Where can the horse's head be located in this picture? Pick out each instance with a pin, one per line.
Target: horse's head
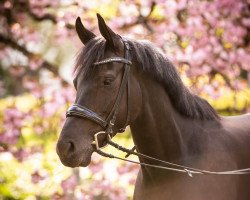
(108, 95)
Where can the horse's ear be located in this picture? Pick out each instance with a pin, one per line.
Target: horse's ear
(113, 40)
(84, 34)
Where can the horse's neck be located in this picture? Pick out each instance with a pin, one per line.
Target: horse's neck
(159, 130)
(155, 130)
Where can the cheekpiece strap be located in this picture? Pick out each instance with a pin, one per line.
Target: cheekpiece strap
(114, 59)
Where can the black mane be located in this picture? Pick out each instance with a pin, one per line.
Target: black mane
(152, 61)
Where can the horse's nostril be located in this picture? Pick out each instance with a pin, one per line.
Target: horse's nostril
(65, 147)
(71, 147)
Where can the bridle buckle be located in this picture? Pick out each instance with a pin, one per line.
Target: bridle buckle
(96, 141)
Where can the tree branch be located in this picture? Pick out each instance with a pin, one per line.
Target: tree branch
(46, 16)
(13, 44)
(143, 20)
(45, 64)
(24, 6)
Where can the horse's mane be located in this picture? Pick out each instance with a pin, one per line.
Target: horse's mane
(152, 61)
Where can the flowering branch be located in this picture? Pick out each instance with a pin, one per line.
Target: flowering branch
(45, 64)
(46, 16)
(10, 42)
(142, 19)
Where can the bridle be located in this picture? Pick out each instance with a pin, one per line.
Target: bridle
(107, 124)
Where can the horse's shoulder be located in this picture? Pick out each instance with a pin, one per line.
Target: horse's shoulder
(237, 124)
(236, 119)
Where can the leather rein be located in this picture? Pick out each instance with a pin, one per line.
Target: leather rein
(107, 124)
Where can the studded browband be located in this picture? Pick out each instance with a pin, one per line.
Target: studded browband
(113, 59)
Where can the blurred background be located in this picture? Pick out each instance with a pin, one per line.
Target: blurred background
(207, 40)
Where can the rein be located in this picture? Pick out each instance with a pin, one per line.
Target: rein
(170, 166)
(108, 124)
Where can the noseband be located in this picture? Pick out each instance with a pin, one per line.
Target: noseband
(107, 124)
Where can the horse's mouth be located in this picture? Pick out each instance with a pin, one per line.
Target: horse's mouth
(77, 160)
(85, 162)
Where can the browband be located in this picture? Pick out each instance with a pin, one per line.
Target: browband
(114, 59)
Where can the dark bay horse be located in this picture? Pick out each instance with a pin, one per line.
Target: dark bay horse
(123, 82)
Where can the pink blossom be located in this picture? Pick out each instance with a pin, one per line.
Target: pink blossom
(96, 164)
(21, 154)
(38, 129)
(31, 36)
(47, 110)
(246, 22)
(43, 3)
(117, 194)
(36, 177)
(69, 184)
(3, 53)
(127, 168)
(29, 83)
(243, 58)
(17, 71)
(35, 64)
(229, 6)
(12, 123)
(9, 137)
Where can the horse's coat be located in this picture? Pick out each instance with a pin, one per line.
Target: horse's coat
(167, 122)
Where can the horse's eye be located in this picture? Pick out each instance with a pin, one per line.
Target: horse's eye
(108, 81)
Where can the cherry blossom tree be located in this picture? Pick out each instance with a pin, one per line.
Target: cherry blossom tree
(207, 40)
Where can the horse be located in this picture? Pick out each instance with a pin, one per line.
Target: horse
(120, 82)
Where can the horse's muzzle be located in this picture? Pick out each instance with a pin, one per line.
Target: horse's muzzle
(71, 157)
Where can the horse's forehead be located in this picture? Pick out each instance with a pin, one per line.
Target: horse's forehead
(108, 53)
(95, 72)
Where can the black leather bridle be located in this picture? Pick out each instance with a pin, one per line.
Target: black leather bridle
(107, 124)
